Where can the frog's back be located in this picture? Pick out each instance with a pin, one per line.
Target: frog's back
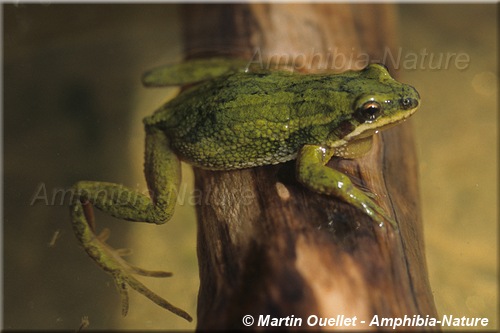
(248, 119)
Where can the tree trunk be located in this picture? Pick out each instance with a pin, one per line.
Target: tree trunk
(269, 246)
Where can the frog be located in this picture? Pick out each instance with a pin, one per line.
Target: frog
(233, 115)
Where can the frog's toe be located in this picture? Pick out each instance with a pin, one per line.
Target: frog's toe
(393, 223)
(123, 275)
(142, 289)
(122, 289)
(123, 252)
(104, 235)
(378, 215)
(383, 219)
(144, 272)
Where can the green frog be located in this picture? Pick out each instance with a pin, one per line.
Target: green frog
(234, 116)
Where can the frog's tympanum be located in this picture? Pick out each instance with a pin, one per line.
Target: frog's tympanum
(235, 117)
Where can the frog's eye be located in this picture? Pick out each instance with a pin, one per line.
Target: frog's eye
(369, 111)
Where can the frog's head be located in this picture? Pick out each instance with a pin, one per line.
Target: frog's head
(379, 102)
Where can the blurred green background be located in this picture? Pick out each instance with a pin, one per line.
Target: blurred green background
(73, 105)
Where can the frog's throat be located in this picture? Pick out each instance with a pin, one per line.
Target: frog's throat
(370, 128)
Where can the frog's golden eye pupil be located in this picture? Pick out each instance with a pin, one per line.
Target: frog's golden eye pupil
(370, 110)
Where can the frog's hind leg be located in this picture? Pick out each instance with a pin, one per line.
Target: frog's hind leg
(192, 71)
(162, 169)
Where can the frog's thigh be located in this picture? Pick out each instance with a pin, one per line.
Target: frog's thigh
(162, 170)
(314, 174)
(192, 71)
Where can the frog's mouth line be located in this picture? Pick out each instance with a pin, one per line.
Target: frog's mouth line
(368, 129)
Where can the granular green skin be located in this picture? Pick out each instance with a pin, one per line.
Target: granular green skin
(242, 120)
(235, 117)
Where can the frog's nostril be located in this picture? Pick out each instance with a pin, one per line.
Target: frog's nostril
(409, 103)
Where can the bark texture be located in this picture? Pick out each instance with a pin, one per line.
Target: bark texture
(267, 245)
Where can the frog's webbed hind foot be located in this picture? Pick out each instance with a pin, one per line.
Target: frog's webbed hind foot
(122, 271)
(123, 279)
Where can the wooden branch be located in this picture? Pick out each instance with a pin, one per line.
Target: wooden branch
(267, 245)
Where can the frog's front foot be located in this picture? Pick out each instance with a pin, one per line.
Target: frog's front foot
(364, 201)
(313, 173)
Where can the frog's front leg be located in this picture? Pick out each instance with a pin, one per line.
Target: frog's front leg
(313, 173)
(162, 169)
